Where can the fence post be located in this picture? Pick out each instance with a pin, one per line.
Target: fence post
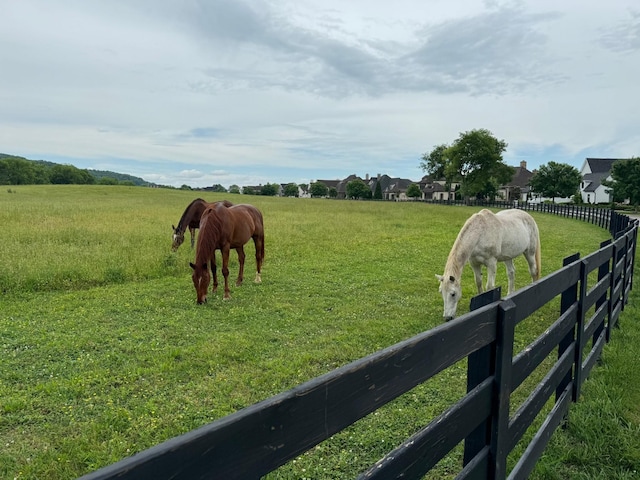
(502, 394)
(479, 367)
(567, 299)
(577, 375)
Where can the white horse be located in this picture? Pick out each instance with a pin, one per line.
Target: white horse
(486, 239)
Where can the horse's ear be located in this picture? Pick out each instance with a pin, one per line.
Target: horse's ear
(174, 228)
(439, 277)
(452, 279)
(192, 265)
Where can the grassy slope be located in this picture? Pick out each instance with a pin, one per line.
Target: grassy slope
(105, 353)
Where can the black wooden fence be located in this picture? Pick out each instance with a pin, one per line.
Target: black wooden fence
(258, 439)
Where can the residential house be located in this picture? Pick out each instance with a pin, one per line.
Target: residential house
(593, 172)
(518, 188)
(394, 189)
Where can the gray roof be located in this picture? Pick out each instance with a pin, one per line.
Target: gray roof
(601, 165)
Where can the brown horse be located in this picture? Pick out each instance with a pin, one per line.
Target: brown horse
(223, 228)
(191, 219)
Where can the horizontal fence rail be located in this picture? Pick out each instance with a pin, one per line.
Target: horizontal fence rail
(258, 439)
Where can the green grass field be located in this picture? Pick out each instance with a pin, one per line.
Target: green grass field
(105, 353)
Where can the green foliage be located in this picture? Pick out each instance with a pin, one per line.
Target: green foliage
(333, 192)
(435, 162)
(270, 189)
(217, 188)
(626, 180)
(318, 189)
(358, 189)
(291, 190)
(414, 191)
(108, 181)
(105, 352)
(234, 189)
(20, 171)
(556, 180)
(474, 159)
(377, 194)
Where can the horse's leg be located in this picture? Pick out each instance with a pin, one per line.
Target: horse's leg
(492, 264)
(511, 275)
(214, 273)
(477, 273)
(533, 268)
(259, 244)
(241, 257)
(225, 272)
(192, 231)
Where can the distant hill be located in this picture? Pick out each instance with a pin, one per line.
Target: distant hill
(97, 174)
(121, 177)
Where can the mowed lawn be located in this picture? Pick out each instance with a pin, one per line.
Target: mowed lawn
(105, 353)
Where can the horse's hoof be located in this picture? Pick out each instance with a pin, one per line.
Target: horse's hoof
(226, 297)
(258, 278)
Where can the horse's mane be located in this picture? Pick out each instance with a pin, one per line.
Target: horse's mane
(187, 212)
(460, 252)
(212, 225)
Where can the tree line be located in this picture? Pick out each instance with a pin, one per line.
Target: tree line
(20, 171)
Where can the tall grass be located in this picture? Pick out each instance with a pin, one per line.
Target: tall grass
(105, 353)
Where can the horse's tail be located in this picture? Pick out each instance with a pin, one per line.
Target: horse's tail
(538, 255)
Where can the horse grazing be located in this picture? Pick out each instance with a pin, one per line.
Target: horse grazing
(223, 228)
(486, 239)
(191, 219)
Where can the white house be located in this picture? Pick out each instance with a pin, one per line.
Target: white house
(593, 172)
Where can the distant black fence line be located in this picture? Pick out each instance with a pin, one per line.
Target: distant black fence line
(258, 439)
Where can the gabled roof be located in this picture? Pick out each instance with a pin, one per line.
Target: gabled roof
(600, 169)
(600, 165)
(521, 177)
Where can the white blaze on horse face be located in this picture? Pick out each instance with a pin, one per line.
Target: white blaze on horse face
(451, 293)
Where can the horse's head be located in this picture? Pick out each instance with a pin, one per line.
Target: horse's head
(201, 279)
(177, 238)
(451, 292)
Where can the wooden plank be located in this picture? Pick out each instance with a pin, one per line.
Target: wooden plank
(595, 322)
(538, 397)
(536, 294)
(528, 460)
(422, 451)
(477, 468)
(594, 355)
(596, 293)
(528, 359)
(260, 438)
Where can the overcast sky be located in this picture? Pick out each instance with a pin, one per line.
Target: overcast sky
(201, 92)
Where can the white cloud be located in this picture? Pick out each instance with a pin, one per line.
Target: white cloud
(232, 91)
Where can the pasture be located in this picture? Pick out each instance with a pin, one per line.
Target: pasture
(105, 352)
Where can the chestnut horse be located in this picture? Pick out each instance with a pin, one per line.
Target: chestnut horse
(486, 239)
(223, 228)
(191, 219)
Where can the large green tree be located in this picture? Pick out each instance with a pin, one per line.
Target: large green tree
(358, 189)
(291, 190)
(556, 180)
(318, 189)
(626, 180)
(435, 162)
(474, 160)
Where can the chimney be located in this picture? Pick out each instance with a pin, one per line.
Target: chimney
(523, 164)
(367, 177)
